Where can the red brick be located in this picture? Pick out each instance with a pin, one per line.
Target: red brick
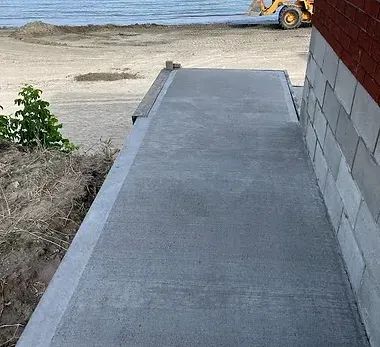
(357, 3)
(371, 86)
(344, 24)
(315, 19)
(345, 40)
(376, 34)
(355, 51)
(335, 18)
(317, 11)
(368, 63)
(329, 24)
(360, 74)
(335, 30)
(348, 61)
(377, 74)
(372, 7)
(375, 51)
(342, 20)
(373, 26)
(361, 19)
(364, 41)
(338, 48)
(335, 44)
(349, 11)
(322, 7)
(322, 29)
(353, 31)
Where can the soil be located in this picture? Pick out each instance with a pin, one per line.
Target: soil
(104, 76)
(44, 197)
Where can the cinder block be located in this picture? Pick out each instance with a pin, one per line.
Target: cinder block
(320, 167)
(348, 191)
(366, 116)
(347, 137)
(331, 107)
(310, 71)
(311, 105)
(318, 47)
(306, 89)
(366, 173)
(351, 253)
(333, 201)
(312, 39)
(345, 86)
(320, 124)
(369, 304)
(332, 152)
(330, 65)
(311, 140)
(303, 116)
(367, 233)
(319, 85)
(377, 150)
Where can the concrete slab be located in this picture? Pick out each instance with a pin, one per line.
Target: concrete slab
(217, 235)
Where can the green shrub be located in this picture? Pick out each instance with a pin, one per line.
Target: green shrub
(34, 125)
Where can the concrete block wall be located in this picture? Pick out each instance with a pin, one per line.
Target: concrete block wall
(340, 119)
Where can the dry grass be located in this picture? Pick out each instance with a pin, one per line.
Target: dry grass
(44, 196)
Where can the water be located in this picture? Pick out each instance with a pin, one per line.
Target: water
(81, 12)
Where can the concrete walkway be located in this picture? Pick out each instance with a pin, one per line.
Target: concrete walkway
(209, 231)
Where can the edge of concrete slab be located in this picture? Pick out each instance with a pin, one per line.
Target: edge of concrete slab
(151, 96)
(289, 98)
(46, 318)
(296, 102)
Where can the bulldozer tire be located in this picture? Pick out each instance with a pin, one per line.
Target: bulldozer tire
(290, 17)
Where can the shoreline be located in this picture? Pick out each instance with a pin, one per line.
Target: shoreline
(90, 27)
(201, 21)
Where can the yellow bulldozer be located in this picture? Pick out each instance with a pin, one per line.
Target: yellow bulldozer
(291, 13)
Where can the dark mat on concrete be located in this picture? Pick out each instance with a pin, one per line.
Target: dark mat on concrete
(218, 235)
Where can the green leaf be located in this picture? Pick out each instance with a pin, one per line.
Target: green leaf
(34, 124)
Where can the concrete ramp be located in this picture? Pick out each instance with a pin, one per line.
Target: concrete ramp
(209, 231)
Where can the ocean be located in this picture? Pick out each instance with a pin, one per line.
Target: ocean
(83, 12)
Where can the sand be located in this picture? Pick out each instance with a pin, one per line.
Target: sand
(50, 58)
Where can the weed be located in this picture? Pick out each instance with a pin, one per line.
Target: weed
(34, 125)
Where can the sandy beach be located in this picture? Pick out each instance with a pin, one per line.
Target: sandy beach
(50, 58)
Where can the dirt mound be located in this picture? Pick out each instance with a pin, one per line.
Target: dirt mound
(36, 29)
(44, 196)
(106, 76)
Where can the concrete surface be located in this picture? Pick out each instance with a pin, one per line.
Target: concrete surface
(215, 233)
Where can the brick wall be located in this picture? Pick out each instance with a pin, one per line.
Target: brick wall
(340, 118)
(352, 28)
